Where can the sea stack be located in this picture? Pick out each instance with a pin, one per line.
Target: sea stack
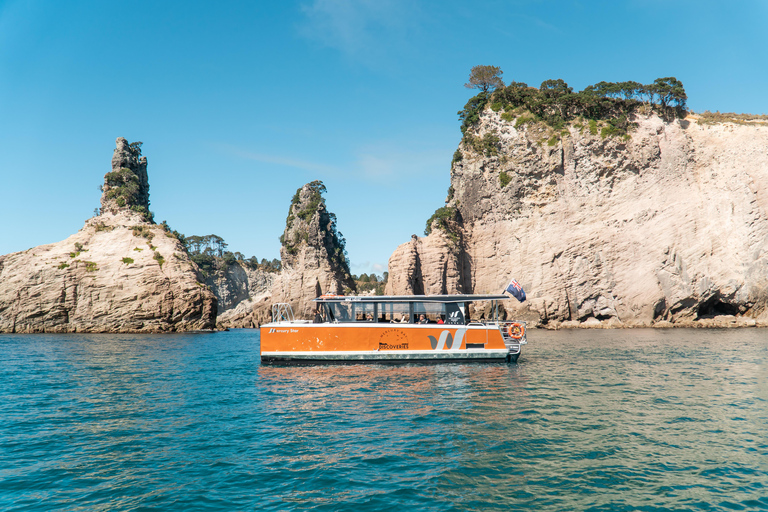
(312, 253)
(120, 273)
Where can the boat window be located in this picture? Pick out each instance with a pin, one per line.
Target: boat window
(394, 312)
(352, 311)
(341, 311)
(432, 311)
(364, 311)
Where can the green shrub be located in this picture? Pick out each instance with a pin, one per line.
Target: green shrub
(159, 258)
(553, 140)
(609, 130)
(504, 178)
(143, 232)
(471, 112)
(103, 227)
(593, 127)
(63, 266)
(127, 260)
(508, 116)
(139, 249)
(496, 106)
(122, 186)
(523, 120)
(90, 266)
(458, 156)
(487, 145)
(445, 217)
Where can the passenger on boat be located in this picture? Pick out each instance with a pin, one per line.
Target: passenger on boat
(423, 319)
(404, 319)
(440, 320)
(318, 317)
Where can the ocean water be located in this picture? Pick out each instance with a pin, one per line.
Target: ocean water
(598, 420)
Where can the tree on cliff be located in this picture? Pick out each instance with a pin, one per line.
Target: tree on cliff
(485, 78)
(670, 92)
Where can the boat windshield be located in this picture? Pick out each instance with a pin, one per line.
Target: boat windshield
(396, 312)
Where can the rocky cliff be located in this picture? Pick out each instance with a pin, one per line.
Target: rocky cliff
(238, 289)
(665, 226)
(119, 273)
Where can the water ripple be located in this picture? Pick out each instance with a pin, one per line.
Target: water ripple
(588, 420)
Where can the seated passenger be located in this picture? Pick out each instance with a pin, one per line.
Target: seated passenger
(423, 319)
(440, 320)
(318, 317)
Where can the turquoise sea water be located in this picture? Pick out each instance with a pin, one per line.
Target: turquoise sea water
(588, 420)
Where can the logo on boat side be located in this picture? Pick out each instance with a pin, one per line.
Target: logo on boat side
(446, 340)
(393, 339)
(271, 330)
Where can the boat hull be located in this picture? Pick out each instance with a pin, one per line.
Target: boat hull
(300, 343)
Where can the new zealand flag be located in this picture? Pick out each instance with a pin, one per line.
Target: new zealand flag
(516, 290)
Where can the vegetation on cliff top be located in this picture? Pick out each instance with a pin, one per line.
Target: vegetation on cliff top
(556, 104)
(210, 254)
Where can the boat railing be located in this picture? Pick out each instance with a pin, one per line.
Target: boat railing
(282, 312)
(514, 333)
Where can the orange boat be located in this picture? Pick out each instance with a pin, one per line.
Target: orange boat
(391, 329)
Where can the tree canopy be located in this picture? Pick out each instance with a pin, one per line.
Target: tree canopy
(555, 102)
(485, 78)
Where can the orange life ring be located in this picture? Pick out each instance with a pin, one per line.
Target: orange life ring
(516, 330)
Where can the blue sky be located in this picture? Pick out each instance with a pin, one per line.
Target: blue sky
(239, 103)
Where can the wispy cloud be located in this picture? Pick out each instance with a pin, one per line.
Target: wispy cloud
(279, 160)
(387, 161)
(382, 163)
(361, 29)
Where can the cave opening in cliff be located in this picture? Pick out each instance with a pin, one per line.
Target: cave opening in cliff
(716, 307)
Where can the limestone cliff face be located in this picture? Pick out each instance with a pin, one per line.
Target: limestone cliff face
(312, 254)
(235, 283)
(238, 289)
(427, 266)
(669, 225)
(119, 273)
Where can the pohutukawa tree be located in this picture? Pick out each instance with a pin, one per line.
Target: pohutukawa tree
(485, 78)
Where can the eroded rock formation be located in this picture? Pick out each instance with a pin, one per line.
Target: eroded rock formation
(312, 253)
(668, 226)
(313, 263)
(119, 273)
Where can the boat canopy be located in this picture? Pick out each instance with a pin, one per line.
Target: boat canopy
(410, 298)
